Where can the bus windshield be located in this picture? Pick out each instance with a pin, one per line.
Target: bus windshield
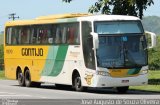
(123, 50)
(118, 27)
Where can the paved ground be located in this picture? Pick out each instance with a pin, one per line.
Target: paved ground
(9, 89)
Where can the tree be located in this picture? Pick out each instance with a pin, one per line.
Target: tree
(68, 1)
(1, 57)
(154, 57)
(120, 7)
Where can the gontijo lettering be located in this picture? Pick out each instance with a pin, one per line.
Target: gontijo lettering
(32, 52)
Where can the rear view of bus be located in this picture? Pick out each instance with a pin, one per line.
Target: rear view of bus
(120, 52)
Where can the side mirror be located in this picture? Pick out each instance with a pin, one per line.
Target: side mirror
(95, 40)
(153, 38)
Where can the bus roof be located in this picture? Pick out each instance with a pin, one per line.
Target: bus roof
(45, 19)
(70, 17)
(108, 18)
(61, 16)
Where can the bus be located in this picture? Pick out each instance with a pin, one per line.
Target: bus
(80, 50)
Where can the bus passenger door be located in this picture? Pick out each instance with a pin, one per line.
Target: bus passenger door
(87, 43)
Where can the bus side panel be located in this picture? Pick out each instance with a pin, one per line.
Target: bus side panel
(54, 70)
(10, 69)
(70, 60)
(25, 57)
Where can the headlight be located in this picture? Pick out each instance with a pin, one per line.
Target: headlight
(103, 73)
(143, 72)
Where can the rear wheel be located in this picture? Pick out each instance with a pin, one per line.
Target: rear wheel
(122, 90)
(21, 79)
(28, 82)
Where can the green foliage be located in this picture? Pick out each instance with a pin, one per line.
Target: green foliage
(2, 75)
(120, 7)
(1, 51)
(1, 57)
(67, 1)
(1, 39)
(153, 83)
(154, 57)
(101, 5)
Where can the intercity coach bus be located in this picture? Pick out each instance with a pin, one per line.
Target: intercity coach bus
(80, 50)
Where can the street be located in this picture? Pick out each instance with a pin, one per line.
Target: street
(11, 89)
(12, 94)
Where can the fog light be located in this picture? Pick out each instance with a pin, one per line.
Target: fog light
(143, 72)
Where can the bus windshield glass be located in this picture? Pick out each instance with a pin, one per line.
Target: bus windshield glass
(118, 27)
(123, 50)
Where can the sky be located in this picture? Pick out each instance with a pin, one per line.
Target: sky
(30, 9)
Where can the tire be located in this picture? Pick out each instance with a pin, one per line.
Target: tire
(78, 84)
(122, 90)
(28, 82)
(20, 79)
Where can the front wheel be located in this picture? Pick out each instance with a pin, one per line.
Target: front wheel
(78, 84)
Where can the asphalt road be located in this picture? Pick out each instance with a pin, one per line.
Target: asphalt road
(9, 89)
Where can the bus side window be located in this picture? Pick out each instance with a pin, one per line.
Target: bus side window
(53, 33)
(71, 35)
(77, 36)
(44, 36)
(64, 35)
(19, 35)
(28, 35)
(13, 37)
(49, 35)
(38, 35)
(25, 35)
(32, 40)
(58, 35)
(8, 37)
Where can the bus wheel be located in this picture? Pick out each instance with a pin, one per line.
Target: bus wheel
(77, 83)
(122, 90)
(21, 79)
(28, 82)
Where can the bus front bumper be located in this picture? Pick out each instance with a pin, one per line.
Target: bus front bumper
(106, 81)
